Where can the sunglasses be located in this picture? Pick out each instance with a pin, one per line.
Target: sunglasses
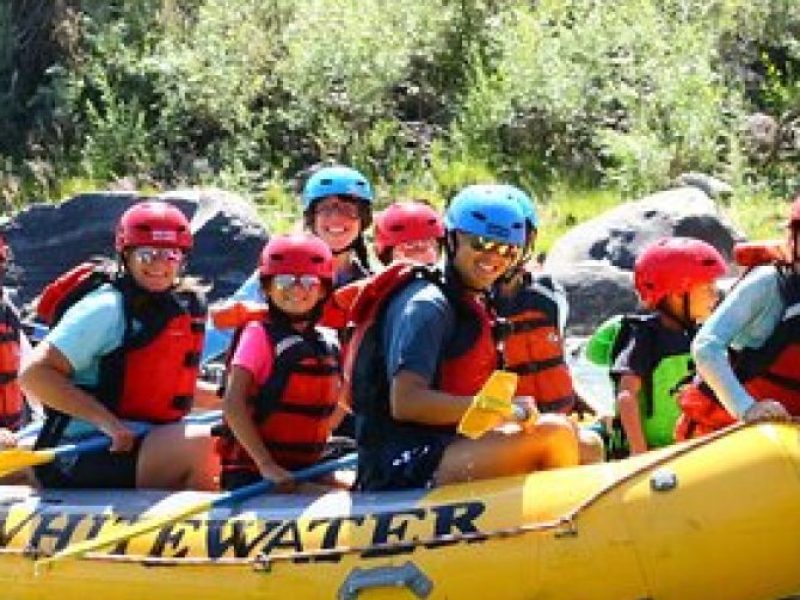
(345, 209)
(482, 244)
(148, 255)
(285, 281)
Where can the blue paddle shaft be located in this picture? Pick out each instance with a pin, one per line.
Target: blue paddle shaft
(261, 487)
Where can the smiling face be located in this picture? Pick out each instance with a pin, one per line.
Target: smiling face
(480, 268)
(295, 295)
(154, 269)
(337, 221)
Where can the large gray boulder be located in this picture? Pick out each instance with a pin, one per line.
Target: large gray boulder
(596, 291)
(594, 260)
(618, 235)
(48, 239)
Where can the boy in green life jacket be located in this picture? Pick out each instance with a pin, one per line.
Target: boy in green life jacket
(649, 354)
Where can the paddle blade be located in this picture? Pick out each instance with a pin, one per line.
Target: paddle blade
(491, 403)
(14, 459)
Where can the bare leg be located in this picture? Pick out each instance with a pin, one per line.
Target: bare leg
(178, 456)
(550, 443)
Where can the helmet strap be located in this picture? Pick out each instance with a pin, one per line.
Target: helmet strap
(683, 320)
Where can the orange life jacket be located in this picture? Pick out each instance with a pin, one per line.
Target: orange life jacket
(293, 408)
(533, 347)
(11, 399)
(468, 360)
(770, 372)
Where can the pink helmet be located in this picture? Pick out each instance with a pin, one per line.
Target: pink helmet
(297, 254)
(153, 223)
(673, 266)
(406, 222)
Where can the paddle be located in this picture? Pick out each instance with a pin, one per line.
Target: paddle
(15, 459)
(491, 401)
(226, 498)
(32, 429)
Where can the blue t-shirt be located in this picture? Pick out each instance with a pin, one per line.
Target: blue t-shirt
(417, 324)
(89, 330)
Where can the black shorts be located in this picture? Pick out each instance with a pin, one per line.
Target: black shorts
(94, 470)
(408, 461)
(233, 480)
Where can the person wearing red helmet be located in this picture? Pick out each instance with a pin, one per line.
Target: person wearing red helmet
(411, 231)
(675, 279)
(284, 377)
(129, 350)
(748, 352)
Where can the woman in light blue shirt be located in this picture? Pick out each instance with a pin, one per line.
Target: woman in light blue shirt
(751, 318)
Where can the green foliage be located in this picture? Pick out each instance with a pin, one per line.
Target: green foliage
(423, 96)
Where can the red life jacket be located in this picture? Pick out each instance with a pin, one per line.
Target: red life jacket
(469, 358)
(152, 375)
(11, 399)
(293, 408)
(770, 372)
(533, 347)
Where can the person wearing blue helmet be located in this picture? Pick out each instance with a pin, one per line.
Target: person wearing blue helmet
(337, 207)
(432, 351)
(534, 307)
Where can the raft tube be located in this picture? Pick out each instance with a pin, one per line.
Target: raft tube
(717, 517)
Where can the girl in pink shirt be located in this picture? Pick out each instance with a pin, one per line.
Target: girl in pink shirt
(284, 377)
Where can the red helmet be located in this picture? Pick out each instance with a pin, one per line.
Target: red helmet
(406, 222)
(673, 266)
(794, 215)
(5, 249)
(297, 254)
(153, 224)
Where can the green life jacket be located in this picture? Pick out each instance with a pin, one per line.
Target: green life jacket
(658, 404)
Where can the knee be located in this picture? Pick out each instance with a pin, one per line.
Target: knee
(591, 447)
(560, 440)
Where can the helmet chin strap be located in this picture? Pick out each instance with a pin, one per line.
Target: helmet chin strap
(684, 320)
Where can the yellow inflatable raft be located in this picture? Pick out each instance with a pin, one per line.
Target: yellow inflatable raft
(711, 519)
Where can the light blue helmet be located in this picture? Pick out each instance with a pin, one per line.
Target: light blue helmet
(528, 205)
(490, 211)
(336, 181)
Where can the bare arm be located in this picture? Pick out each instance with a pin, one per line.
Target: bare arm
(629, 414)
(412, 399)
(244, 428)
(205, 396)
(46, 378)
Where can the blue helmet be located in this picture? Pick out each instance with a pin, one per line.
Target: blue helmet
(528, 205)
(489, 211)
(336, 181)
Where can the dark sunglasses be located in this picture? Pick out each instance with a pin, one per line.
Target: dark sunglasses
(482, 244)
(285, 281)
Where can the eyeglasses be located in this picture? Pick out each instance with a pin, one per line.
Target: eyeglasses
(148, 255)
(285, 281)
(345, 209)
(419, 245)
(482, 244)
